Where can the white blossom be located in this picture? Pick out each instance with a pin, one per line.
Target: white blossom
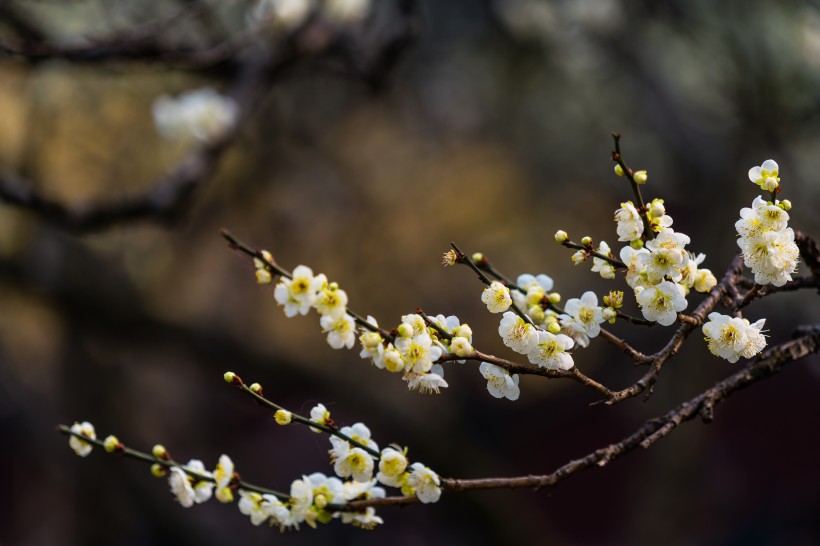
(81, 447)
(425, 483)
(550, 352)
(392, 465)
(319, 415)
(662, 302)
(341, 331)
(601, 266)
(733, 337)
(500, 383)
(497, 297)
(419, 352)
(584, 314)
(298, 294)
(517, 334)
(429, 382)
(766, 175)
(630, 224)
(355, 462)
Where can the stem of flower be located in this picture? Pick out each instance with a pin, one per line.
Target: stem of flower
(616, 157)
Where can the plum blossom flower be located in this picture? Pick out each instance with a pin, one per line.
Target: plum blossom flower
(630, 224)
(427, 383)
(500, 383)
(355, 462)
(497, 297)
(583, 316)
(298, 294)
(81, 447)
(517, 334)
(766, 175)
(425, 483)
(186, 488)
(733, 337)
(550, 352)
(341, 330)
(662, 302)
(392, 465)
(419, 352)
(320, 415)
(601, 266)
(223, 474)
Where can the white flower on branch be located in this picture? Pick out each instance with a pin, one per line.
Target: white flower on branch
(319, 415)
(355, 462)
(425, 483)
(500, 383)
(630, 224)
(392, 465)
(582, 317)
(81, 447)
(186, 488)
(341, 331)
(661, 303)
(733, 337)
(497, 297)
(223, 474)
(551, 352)
(427, 383)
(298, 293)
(517, 334)
(766, 175)
(767, 244)
(601, 266)
(418, 353)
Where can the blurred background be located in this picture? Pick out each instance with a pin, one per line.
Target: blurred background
(490, 128)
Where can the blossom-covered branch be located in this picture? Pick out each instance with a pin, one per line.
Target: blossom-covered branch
(766, 365)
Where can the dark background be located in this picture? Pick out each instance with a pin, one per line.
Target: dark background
(493, 130)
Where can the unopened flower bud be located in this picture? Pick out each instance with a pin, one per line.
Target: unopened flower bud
(112, 444)
(619, 170)
(256, 388)
(320, 501)
(392, 360)
(405, 330)
(157, 470)
(263, 276)
(554, 328)
(229, 377)
(609, 314)
(159, 451)
(785, 205)
(477, 257)
(536, 313)
(267, 256)
(561, 236)
(640, 177)
(555, 298)
(586, 241)
(283, 417)
(656, 208)
(637, 244)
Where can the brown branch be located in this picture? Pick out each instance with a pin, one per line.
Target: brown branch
(766, 365)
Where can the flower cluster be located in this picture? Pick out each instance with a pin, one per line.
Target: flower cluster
(733, 337)
(202, 115)
(767, 242)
